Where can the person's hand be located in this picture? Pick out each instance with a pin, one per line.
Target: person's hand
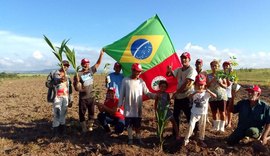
(173, 96)
(77, 77)
(102, 51)
(169, 70)
(264, 140)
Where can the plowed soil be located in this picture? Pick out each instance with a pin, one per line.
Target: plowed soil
(26, 117)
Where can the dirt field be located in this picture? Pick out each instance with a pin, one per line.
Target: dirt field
(25, 128)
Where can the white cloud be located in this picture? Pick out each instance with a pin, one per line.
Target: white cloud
(244, 58)
(190, 46)
(37, 55)
(23, 53)
(33, 53)
(212, 48)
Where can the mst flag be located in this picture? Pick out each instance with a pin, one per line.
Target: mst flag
(149, 45)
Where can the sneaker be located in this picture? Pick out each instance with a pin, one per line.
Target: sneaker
(130, 141)
(186, 142)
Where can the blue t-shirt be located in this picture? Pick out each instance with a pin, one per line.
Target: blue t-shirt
(115, 82)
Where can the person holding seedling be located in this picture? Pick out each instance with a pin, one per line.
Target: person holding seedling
(63, 90)
(217, 84)
(83, 83)
(199, 109)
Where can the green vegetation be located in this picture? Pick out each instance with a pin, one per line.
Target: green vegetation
(8, 75)
(162, 120)
(254, 76)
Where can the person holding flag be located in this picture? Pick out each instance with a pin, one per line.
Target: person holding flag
(185, 77)
(83, 83)
(131, 93)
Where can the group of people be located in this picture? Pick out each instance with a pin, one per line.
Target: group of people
(196, 91)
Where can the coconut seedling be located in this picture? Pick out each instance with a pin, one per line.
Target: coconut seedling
(57, 51)
(70, 54)
(162, 120)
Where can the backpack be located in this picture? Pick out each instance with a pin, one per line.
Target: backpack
(51, 94)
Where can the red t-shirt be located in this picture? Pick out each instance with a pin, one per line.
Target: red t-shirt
(111, 103)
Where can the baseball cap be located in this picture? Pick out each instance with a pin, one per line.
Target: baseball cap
(117, 65)
(199, 61)
(137, 67)
(226, 63)
(254, 88)
(84, 61)
(186, 54)
(200, 79)
(65, 63)
(111, 89)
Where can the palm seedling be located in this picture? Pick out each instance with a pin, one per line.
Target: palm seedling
(72, 58)
(58, 51)
(162, 120)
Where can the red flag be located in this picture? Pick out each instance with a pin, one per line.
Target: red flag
(154, 75)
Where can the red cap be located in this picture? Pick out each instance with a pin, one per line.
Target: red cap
(254, 88)
(199, 61)
(111, 89)
(226, 63)
(186, 54)
(200, 79)
(137, 67)
(117, 65)
(84, 61)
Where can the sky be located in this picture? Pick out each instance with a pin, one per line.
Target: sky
(208, 29)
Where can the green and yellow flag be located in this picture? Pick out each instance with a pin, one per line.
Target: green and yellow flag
(149, 45)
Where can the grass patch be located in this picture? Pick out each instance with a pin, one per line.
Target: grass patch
(254, 76)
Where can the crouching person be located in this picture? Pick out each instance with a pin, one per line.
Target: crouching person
(110, 115)
(254, 118)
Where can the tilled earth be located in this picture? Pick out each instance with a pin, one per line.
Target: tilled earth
(25, 128)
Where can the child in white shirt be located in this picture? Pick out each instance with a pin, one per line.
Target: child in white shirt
(199, 108)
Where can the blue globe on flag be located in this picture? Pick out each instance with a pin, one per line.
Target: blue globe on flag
(141, 49)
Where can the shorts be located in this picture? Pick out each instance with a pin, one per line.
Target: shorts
(218, 105)
(134, 122)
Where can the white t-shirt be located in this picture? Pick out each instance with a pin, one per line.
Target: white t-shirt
(229, 91)
(131, 94)
(200, 103)
(181, 76)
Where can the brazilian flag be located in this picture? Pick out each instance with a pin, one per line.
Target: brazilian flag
(149, 45)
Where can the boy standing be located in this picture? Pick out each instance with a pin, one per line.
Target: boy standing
(131, 93)
(199, 108)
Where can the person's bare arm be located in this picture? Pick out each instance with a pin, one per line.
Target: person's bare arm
(185, 86)
(265, 135)
(99, 59)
